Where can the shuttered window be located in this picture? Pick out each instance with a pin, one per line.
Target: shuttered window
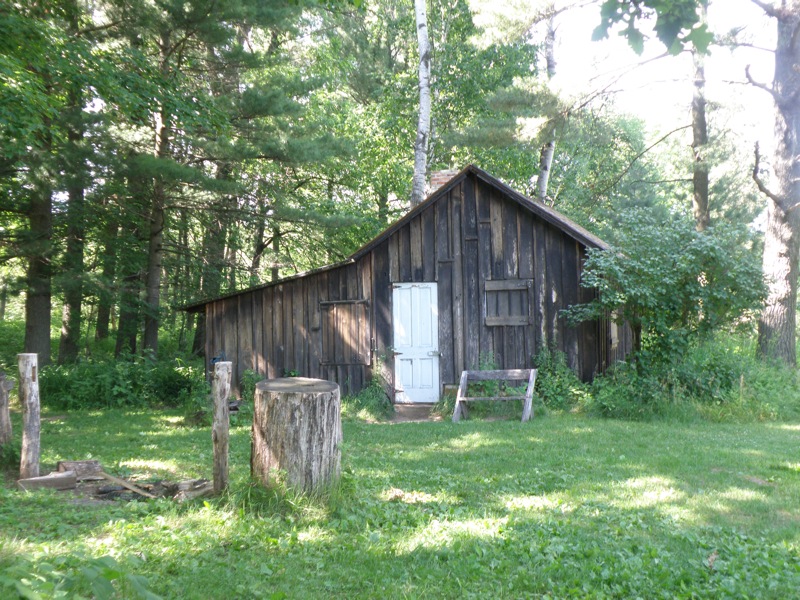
(508, 302)
(345, 332)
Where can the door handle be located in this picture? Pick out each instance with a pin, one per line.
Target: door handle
(434, 353)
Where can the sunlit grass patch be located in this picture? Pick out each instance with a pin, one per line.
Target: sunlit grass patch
(439, 534)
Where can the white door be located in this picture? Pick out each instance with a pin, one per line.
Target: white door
(415, 312)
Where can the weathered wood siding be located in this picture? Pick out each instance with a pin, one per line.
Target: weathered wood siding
(504, 275)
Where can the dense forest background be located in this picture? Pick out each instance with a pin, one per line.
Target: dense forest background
(157, 153)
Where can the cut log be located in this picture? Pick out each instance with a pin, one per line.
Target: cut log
(196, 488)
(220, 428)
(6, 385)
(126, 484)
(84, 469)
(31, 420)
(54, 481)
(297, 433)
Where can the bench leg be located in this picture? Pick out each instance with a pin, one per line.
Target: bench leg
(527, 409)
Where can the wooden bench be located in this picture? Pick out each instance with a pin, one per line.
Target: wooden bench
(510, 375)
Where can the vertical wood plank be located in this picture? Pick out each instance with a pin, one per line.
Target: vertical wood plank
(429, 249)
(299, 336)
(404, 253)
(526, 272)
(540, 284)
(470, 210)
(415, 248)
(266, 335)
(277, 331)
(288, 327)
(258, 331)
(458, 287)
(570, 270)
(443, 229)
(554, 300)
(446, 338)
(382, 310)
(472, 303)
(392, 248)
(315, 327)
(496, 218)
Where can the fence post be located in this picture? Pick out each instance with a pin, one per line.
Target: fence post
(220, 429)
(6, 385)
(31, 424)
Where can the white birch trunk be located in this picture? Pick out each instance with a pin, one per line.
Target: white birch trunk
(424, 123)
(549, 147)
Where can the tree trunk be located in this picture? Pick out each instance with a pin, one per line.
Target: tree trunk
(776, 327)
(128, 327)
(38, 301)
(31, 423)
(155, 253)
(76, 229)
(699, 143)
(106, 295)
(549, 147)
(297, 431)
(424, 122)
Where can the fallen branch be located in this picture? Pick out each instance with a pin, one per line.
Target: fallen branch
(127, 485)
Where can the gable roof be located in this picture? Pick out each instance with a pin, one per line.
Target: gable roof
(539, 209)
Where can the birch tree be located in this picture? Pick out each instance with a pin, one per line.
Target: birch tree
(424, 122)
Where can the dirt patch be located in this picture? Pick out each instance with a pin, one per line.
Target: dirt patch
(413, 413)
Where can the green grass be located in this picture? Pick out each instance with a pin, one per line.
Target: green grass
(563, 506)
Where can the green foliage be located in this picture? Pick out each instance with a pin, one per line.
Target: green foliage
(10, 456)
(678, 23)
(70, 577)
(556, 384)
(671, 284)
(371, 403)
(136, 382)
(720, 379)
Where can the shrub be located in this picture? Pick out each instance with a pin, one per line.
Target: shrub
(133, 382)
(671, 284)
(557, 385)
(371, 403)
(719, 379)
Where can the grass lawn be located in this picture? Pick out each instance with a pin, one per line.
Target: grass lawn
(562, 506)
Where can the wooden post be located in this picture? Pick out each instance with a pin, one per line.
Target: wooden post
(220, 429)
(297, 431)
(31, 426)
(6, 385)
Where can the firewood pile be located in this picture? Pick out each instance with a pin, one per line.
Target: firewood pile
(88, 478)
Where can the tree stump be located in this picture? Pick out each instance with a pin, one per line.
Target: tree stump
(6, 385)
(297, 432)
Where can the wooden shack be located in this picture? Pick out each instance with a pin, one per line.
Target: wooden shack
(476, 274)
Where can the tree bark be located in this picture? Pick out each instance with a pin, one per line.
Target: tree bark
(31, 423)
(220, 429)
(297, 431)
(155, 253)
(38, 301)
(776, 327)
(549, 147)
(106, 295)
(76, 229)
(424, 123)
(699, 143)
